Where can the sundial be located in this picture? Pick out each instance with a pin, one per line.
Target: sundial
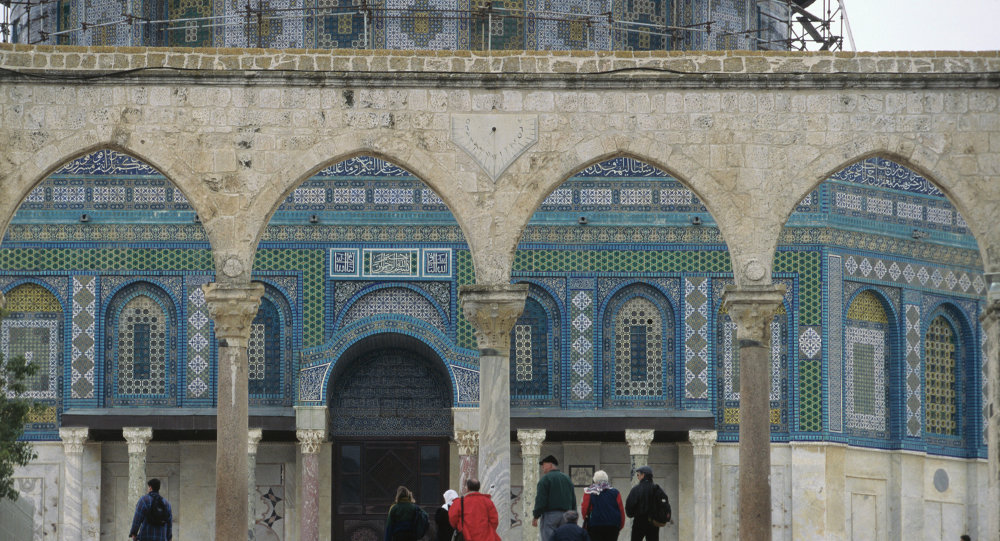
(494, 141)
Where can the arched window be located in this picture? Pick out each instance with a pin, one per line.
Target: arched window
(941, 378)
(866, 355)
(729, 372)
(533, 354)
(269, 352)
(638, 348)
(140, 348)
(32, 330)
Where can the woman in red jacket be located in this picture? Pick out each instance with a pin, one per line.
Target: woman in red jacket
(474, 515)
(603, 512)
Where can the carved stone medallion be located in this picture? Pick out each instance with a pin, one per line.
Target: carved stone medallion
(494, 141)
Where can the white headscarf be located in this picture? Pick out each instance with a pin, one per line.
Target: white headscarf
(449, 496)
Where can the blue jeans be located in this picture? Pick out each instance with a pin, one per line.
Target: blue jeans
(548, 522)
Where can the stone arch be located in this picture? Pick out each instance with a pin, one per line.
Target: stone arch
(412, 397)
(33, 171)
(938, 168)
(422, 165)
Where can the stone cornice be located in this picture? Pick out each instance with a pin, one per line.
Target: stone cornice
(639, 441)
(507, 69)
(468, 442)
(138, 438)
(492, 310)
(752, 308)
(531, 441)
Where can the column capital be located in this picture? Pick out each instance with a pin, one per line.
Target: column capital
(492, 310)
(73, 439)
(137, 437)
(233, 309)
(752, 308)
(703, 441)
(254, 435)
(468, 442)
(639, 440)
(531, 441)
(311, 440)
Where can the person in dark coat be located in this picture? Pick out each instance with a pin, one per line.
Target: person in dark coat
(406, 521)
(444, 529)
(553, 497)
(603, 511)
(639, 505)
(569, 531)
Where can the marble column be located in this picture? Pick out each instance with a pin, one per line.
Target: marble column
(253, 439)
(990, 321)
(531, 451)
(232, 310)
(493, 310)
(752, 308)
(702, 443)
(639, 441)
(468, 456)
(137, 439)
(311, 441)
(72, 489)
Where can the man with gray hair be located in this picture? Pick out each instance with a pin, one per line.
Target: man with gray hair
(570, 531)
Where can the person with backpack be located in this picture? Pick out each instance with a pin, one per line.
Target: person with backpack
(603, 512)
(648, 506)
(407, 521)
(153, 520)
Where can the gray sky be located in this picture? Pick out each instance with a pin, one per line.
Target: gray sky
(920, 25)
(923, 25)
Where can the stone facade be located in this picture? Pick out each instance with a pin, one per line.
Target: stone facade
(564, 171)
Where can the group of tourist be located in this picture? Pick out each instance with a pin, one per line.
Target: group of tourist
(473, 517)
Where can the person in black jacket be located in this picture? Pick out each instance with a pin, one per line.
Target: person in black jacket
(444, 529)
(639, 505)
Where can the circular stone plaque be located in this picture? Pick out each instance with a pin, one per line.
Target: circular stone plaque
(941, 480)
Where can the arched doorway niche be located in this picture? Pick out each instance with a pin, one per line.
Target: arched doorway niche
(390, 401)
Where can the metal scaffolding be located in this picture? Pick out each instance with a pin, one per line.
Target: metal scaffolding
(780, 24)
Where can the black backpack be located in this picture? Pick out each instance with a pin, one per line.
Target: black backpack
(659, 509)
(157, 515)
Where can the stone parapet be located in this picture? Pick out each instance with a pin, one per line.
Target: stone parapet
(672, 63)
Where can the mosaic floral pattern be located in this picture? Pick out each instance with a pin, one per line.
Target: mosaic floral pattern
(535, 359)
(914, 393)
(394, 300)
(638, 349)
(866, 350)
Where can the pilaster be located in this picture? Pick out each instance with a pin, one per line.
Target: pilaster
(990, 321)
(492, 310)
(138, 439)
(531, 449)
(310, 423)
(73, 439)
(752, 308)
(703, 445)
(468, 456)
(254, 435)
(233, 310)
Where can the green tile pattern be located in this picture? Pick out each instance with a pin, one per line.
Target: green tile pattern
(466, 275)
(311, 263)
(621, 261)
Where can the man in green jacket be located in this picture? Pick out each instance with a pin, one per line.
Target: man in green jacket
(554, 497)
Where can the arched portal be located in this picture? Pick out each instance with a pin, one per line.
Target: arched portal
(390, 418)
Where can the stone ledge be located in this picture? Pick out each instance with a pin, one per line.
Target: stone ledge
(110, 59)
